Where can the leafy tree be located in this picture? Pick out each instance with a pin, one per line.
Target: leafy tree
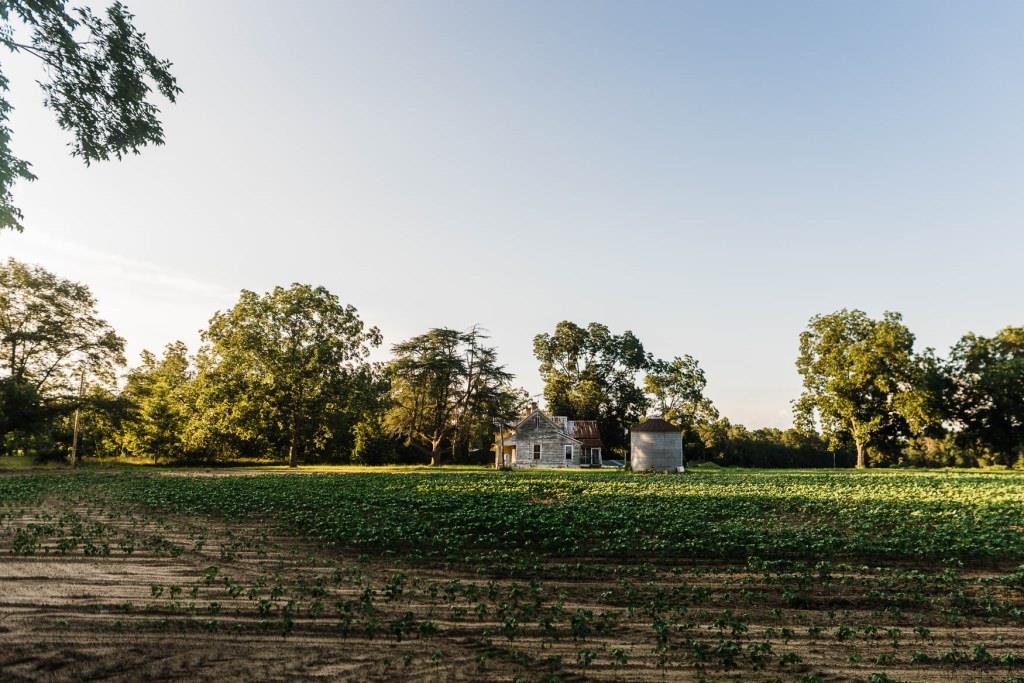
(25, 417)
(944, 451)
(373, 445)
(101, 75)
(735, 445)
(986, 393)
(591, 374)
(103, 412)
(926, 408)
(445, 385)
(374, 442)
(229, 414)
(859, 376)
(284, 363)
(49, 330)
(156, 394)
(676, 389)
(49, 334)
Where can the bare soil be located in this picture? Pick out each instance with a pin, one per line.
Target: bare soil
(135, 596)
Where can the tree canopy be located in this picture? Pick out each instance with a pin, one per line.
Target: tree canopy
(591, 374)
(858, 373)
(101, 76)
(446, 385)
(291, 356)
(676, 390)
(156, 394)
(50, 331)
(986, 393)
(50, 334)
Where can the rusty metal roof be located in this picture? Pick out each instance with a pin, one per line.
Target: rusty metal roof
(586, 431)
(655, 424)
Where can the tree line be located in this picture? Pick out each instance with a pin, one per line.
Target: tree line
(288, 375)
(284, 375)
(865, 385)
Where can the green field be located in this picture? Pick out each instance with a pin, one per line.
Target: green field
(712, 514)
(472, 574)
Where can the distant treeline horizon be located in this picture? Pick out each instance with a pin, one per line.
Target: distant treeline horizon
(286, 375)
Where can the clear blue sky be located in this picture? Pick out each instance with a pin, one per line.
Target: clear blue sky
(709, 175)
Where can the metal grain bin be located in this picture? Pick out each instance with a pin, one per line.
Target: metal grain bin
(656, 444)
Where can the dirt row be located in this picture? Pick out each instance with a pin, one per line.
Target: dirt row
(137, 596)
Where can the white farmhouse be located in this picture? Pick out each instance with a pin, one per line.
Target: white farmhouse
(541, 441)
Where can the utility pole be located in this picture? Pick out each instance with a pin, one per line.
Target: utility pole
(78, 409)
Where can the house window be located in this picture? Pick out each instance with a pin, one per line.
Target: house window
(595, 455)
(536, 451)
(568, 452)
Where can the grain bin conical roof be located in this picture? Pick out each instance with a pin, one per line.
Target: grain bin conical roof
(655, 424)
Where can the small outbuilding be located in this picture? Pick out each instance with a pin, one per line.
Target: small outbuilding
(656, 445)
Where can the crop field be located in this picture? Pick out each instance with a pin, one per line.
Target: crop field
(476, 575)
